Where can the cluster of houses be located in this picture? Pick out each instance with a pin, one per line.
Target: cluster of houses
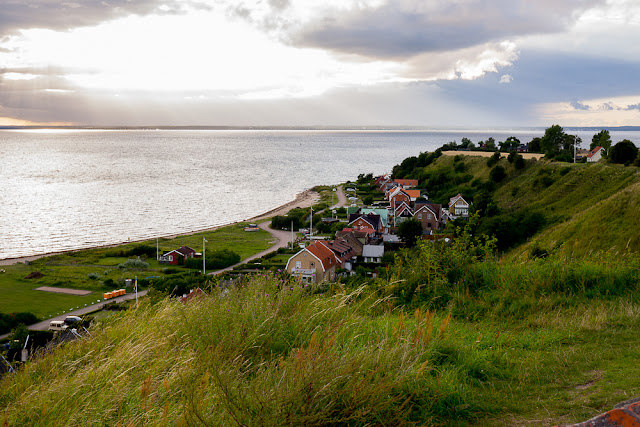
(368, 228)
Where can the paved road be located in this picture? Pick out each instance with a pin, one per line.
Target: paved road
(281, 240)
(44, 325)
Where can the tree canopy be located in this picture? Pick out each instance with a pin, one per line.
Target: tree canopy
(601, 139)
(410, 231)
(623, 152)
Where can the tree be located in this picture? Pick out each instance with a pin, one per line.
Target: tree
(466, 143)
(552, 141)
(534, 145)
(493, 159)
(410, 231)
(623, 152)
(497, 174)
(601, 139)
(490, 143)
(513, 142)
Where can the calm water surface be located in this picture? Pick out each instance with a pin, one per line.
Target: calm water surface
(73, 189)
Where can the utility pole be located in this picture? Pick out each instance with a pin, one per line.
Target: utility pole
(204, 265)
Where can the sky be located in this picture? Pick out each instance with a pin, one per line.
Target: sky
(434, 63)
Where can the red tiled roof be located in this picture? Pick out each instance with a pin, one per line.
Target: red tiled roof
(324, 254)
(414, 194)
(594, 151)
(406, 181)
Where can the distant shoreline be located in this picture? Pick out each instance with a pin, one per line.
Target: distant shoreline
(303, 200)
(333, 128)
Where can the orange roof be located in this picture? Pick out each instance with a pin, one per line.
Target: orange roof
(324, 254)
(414, 194)
(406, 181)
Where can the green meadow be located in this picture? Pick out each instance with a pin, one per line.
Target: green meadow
(72, 270)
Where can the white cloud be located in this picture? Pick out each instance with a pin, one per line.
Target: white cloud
(506, 78)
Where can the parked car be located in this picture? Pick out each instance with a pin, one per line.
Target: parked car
(70, 320)
(57, 325)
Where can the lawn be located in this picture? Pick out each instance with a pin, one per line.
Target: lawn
(72, 270)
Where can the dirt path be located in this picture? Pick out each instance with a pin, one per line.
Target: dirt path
(281, 240)
(342, 199)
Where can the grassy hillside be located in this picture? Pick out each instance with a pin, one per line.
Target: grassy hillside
(583, 208)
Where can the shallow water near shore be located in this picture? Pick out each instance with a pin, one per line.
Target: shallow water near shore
(74, 189)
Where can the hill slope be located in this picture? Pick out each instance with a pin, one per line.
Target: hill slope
(585, 208)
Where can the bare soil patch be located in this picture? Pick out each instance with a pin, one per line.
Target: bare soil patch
(63, 290)
(34, 275)
(536, 156)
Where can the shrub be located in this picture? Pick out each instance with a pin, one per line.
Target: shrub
(497, 174)
(493, 159)
(8, 321)
(137, 264)
(93, 276)
(214, 260)
(624, 152)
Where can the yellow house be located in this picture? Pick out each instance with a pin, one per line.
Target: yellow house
(314, 264)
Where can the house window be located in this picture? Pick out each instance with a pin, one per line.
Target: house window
(419, 216)
(428, 216)
(298, 264)
(170, 257)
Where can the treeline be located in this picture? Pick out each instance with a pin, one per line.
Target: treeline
(9, 321)
(557, 145)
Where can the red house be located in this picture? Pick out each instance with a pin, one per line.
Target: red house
(177, 256)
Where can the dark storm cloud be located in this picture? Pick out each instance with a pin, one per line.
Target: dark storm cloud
(633, 107)
(408, 27)
(540, 77)
(18, 15)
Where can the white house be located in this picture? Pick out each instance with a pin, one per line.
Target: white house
(373, 253)
(595, 154)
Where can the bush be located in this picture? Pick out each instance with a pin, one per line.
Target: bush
(93, 276)
(497, 174)
(624, 152)
(214, 260)
(137, 264)
(493, 159)
(8, 321)
(519, 162)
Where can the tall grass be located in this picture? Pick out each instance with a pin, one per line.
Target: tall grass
(268, 352)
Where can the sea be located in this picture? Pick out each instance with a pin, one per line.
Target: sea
(65, 189)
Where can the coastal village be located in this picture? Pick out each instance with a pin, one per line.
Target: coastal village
(367, 228)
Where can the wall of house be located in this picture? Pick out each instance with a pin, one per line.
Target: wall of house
(428, 220)
(307, 262)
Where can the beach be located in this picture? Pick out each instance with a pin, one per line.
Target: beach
(303, 200)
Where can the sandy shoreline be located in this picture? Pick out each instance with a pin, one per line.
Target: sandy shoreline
(302, 200)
